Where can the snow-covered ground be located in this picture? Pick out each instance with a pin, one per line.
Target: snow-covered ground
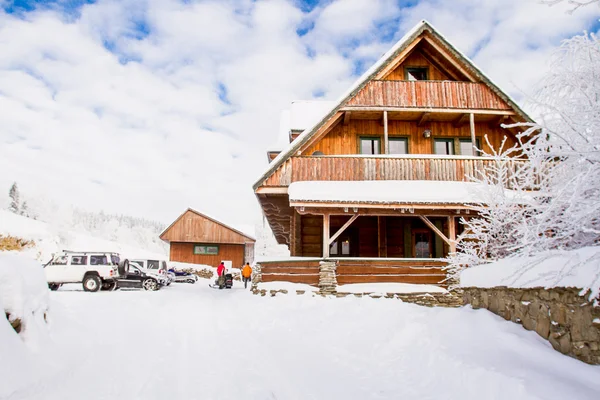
(576, 268)
(193, 342)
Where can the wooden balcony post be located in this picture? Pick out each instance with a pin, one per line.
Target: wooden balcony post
(386, 142)
(325, 235)
(452, 233)
(472, 124)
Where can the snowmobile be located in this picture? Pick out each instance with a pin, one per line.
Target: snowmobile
(227, 284)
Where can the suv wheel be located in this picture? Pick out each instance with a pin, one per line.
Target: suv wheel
(109, 285)
(92, 283)
(191, 281)
(54, 286)
(150, 284)
(123, 267)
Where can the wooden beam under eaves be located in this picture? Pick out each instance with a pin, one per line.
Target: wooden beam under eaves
(497, 121)
(460, 121)
(346, 117)
(425, 117)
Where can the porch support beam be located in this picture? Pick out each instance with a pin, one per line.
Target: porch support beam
(452, 234)
(435, 229)
(343, 228)
(326, 235)
(385, 133)
(472, 125)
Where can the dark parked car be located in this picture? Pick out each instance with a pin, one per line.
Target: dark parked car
(137, 279)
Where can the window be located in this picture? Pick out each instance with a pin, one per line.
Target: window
(422, 243)
(204, 249)
(340, 247)
(370, 145)
(115, 259)
(416, 74)
(60, 260)
(466, 147)
(398, 145)
(443, 146)
(153, 264)
(98, 260)
(78, 260)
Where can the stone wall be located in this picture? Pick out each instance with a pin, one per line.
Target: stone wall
(569, 321)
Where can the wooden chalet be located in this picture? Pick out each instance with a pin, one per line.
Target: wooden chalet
(198, 239)
(379, 181)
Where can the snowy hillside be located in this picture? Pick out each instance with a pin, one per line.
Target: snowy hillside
(51, 238)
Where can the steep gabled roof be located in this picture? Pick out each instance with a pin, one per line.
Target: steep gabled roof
(372, 72)
(163, 233)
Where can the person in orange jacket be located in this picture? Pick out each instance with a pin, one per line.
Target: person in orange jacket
(246, 274)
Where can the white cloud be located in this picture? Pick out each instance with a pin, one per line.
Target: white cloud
(97, 113)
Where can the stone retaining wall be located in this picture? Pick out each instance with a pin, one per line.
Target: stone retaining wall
(569, 321)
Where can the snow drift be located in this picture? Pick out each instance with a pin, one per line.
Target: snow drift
(575, 268)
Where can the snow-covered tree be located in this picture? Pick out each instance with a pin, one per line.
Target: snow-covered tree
(550, 201)
(15, 199)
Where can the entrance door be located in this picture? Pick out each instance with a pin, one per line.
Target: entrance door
(422, 243)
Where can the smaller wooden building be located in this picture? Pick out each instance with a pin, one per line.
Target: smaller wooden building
(198, 239)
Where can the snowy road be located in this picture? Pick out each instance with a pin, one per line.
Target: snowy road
(193, 342)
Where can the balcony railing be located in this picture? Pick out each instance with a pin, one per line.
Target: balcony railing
(371, 168)
(428, 94)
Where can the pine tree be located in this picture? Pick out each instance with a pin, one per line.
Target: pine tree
(14, 195)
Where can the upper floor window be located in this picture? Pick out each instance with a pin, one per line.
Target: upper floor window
(451, 146)
(370, 145)
(417, 74)
(466, 147)
(398, 145)
(443, 146)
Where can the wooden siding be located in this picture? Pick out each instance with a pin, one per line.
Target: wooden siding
(434, 94)
(343, 139)
(184, 252)
(194, 228)
(416, 59)
(357, 271)
(291, 271)
(402, 271)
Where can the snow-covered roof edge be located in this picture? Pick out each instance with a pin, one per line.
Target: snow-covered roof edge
(400, 45)
(210, 219)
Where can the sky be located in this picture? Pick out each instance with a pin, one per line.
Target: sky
(148, 107)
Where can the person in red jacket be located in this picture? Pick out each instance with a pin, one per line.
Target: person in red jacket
(221, 275)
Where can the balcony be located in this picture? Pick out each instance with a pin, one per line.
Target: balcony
(428, 94)
(369, 168)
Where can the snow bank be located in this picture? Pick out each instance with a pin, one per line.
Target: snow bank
(390, 192)
(23, 294)
(576, 268)
(289, 286)
(389, 288)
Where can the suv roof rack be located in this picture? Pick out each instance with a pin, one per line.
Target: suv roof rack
(88, 252)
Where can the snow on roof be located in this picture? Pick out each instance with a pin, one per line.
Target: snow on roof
(306, 113)
(364, 78)
(389, 192)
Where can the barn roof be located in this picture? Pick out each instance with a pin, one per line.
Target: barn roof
(228, 227)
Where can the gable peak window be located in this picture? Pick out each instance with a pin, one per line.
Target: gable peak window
(417, 73)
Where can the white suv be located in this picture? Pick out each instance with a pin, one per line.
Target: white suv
(95, 270)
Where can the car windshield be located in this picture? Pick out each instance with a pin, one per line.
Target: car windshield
(115, 259)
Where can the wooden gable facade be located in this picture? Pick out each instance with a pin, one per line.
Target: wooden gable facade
(198, 239)
(424, 112)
